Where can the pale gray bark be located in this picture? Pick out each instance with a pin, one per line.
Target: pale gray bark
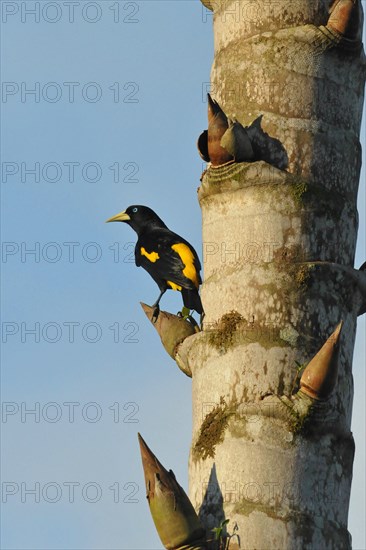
(279, 250)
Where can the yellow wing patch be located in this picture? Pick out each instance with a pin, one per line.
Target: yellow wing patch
(152, 256)
(187, 257)
(174, 286)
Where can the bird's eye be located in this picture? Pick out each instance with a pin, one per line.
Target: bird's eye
(134, 209)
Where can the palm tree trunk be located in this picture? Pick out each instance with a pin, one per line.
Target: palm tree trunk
(278, 277)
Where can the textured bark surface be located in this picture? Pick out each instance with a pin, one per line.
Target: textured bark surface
(278, 253)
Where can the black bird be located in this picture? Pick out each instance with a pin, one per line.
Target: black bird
(170, 260)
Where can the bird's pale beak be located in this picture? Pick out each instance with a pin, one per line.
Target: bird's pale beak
(121, 217)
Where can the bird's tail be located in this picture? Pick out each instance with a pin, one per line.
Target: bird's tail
(192, 300)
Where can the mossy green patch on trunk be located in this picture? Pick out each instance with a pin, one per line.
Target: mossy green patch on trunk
(303, 274)
(222, 335)
(233, 330)
(246, 507)
(212, 431)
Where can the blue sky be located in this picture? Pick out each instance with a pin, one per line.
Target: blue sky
(113, 120)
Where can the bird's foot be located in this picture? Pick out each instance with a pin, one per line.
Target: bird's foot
(155, 314)
(186, 315)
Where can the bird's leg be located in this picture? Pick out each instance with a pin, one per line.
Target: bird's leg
(186, 315)
(202, 316)
(156, 307)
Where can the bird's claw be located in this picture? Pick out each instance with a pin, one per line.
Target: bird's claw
(185, 314)
(155, 314)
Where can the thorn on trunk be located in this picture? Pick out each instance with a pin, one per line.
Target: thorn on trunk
(174, 516)
(172, 329)
(320, 375)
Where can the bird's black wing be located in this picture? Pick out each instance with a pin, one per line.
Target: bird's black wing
(168, 257)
